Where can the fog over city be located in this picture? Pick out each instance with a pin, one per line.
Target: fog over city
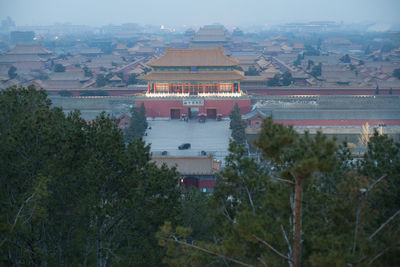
(178, 12)
(199, 133)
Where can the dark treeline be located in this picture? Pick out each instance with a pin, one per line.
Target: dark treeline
(74, 194)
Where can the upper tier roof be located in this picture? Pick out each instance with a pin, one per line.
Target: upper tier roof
(29, 49)
(201, 76)
(194, 57)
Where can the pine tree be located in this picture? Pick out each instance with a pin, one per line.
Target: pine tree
(138, 123)
(237, 126)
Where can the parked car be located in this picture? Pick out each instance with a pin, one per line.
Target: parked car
(184, 146)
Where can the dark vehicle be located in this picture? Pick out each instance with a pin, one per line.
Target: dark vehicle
(164, 153)
(184, 146)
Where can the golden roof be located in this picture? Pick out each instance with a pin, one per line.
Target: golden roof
(234, 75)
(194, 57)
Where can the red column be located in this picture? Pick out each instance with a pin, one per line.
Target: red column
(204, 88)
(218, 88)
(169, 88)
(148, 87)
(238, 87)
(233, 87)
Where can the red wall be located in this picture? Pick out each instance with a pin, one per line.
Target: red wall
(161, 107)
(322, 92)
(336, 122)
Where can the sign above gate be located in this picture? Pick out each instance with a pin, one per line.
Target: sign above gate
(193, 102)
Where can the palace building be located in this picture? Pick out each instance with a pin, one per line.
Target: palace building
(193, 82)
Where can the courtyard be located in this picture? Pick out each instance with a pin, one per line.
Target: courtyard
(211, 137)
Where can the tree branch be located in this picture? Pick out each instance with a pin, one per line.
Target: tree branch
(377, 256)
(286, 239)
(283, 180)
(375, 183)
(212, 253)
(262, 261)
(384, 224)
(273, 249)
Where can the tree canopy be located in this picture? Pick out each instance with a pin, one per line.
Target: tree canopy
(12, 72)
(304, 204)
(59, 68)
(72, 193)
(237, 126)
(138, 123)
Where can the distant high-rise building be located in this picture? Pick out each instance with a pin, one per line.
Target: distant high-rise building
(20, 37)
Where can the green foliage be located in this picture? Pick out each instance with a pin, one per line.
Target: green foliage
(396, 73)
(138, 123)
(252, 72)
(275, 81)
(101, 80)
(12, 72)
(345, 59)
(132, 79)
(251, 202)
(310, 63)
(88, 73)
(391, 91)
(59, 68)
(377, 90)
(297, 62)
(287, 79)
(237, 126)
(311, 51)
(73, 193)
(316, 70)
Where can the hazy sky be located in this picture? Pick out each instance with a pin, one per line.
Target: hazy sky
(197, 12)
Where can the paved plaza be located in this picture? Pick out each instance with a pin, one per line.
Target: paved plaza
(211, 137)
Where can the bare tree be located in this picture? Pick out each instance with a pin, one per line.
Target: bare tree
(363, 139)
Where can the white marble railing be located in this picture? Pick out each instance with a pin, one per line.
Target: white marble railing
(167, 94)
(222, 94)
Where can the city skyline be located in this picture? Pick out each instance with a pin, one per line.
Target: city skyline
(177, 13)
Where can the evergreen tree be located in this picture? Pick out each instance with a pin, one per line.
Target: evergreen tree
(132, 79)
(377, 90)
(12, 72)
(396, 73)
(287, 79)
(73, 193)
(315, 208)
(345, 59)
(237, 126)
(252, 72)
(59, 68)
(275, 81)
(101, 81)
(316, 70)
(138, 123)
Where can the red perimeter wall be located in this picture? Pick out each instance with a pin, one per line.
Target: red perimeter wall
(322, 92)
(161, 107)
